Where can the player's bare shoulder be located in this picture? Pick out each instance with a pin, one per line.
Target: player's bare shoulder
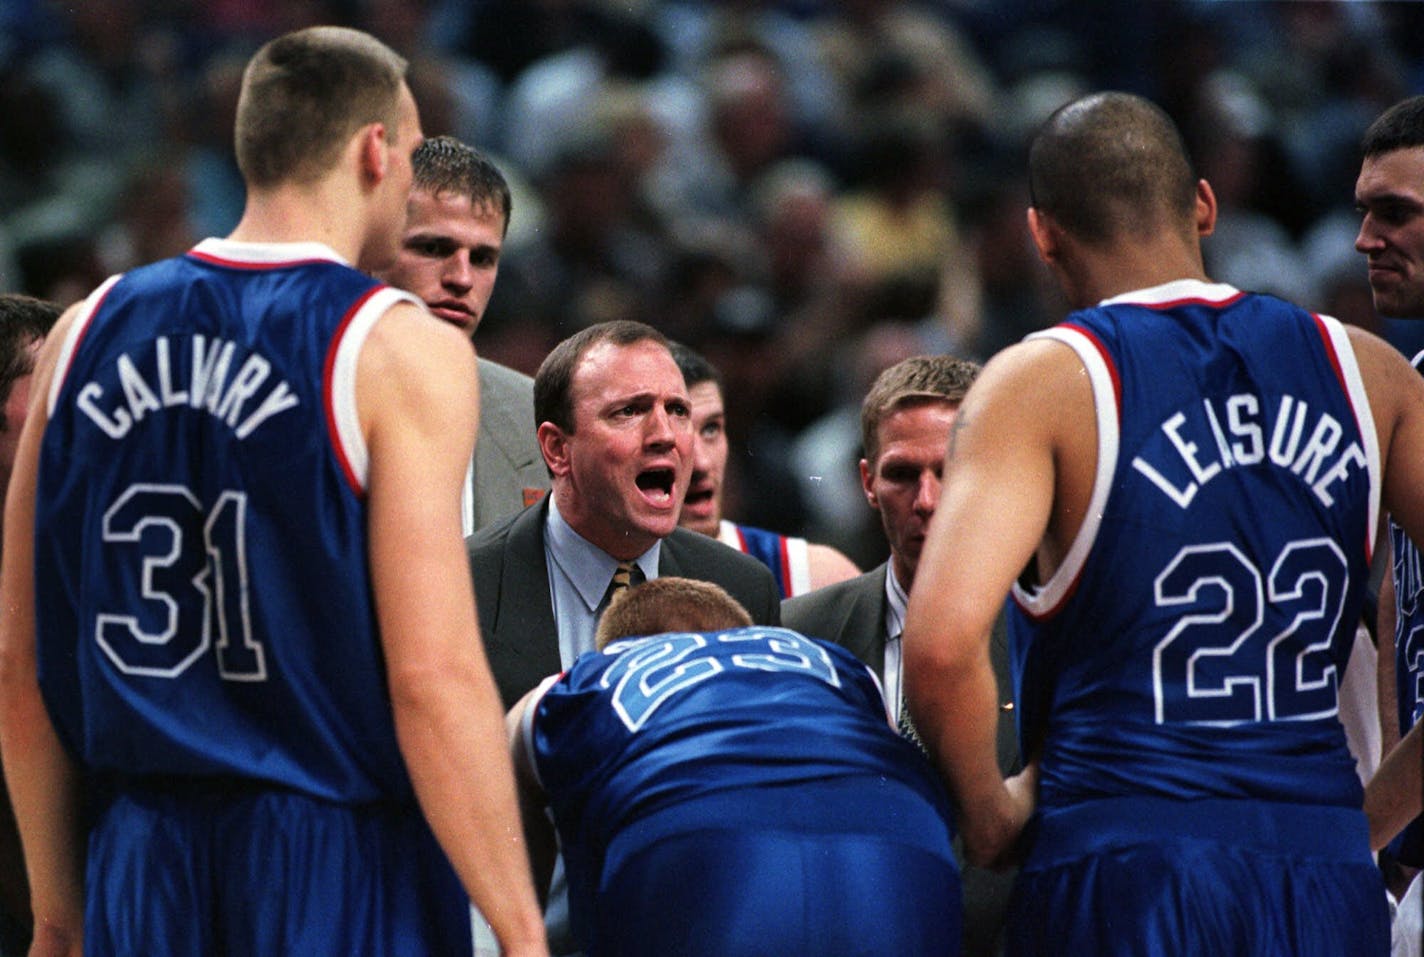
(1394, 388)
(414, 363)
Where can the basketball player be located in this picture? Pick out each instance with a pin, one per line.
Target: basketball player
(1390, 196)
(734, 791)
(254, 653)
(797, 565)
(1181, 486)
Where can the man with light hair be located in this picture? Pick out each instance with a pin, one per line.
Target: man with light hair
(240, 644)
(723, 789)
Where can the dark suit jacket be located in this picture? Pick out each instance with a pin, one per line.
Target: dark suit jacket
(852, 614)
(512, 591)
(507, 459)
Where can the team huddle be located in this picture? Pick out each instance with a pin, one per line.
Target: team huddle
(322, 636)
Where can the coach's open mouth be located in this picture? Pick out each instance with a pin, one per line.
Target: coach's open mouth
(656, 485)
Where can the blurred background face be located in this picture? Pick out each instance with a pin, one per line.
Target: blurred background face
(903, 483)
(702, 509)
(449, 255)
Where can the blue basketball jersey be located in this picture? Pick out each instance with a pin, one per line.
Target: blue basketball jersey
(723, 730)
(1408, 846)
(786, 557)
(201, 546)
(1192, 641)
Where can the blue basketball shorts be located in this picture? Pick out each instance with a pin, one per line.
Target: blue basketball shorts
(731, 887)
(195, 870)
(1147, 876)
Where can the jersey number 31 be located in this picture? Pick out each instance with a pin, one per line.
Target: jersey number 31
(191, 579)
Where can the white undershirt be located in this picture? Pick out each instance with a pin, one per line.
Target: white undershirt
(895, 602)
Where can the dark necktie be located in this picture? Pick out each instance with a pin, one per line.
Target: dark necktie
(625, 575)
(907, 727)
(622, 578)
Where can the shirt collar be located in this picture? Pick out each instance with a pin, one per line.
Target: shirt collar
(1175, 291)
(895, 602)
(266, 254)
(588, 567)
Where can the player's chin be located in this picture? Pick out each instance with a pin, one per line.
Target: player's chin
(700, 524)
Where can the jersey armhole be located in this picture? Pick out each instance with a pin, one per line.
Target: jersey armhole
(1044, 599)
(1338, 340)
(71, 341)
(342, 417)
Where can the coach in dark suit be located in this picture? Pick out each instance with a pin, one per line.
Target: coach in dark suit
(512, 588)
(905, 425)
(614, 429)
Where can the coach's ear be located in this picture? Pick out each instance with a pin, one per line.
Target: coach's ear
(554, 446)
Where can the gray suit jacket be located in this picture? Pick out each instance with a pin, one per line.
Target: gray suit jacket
(512, 591)
(507, 459)
(852, 614)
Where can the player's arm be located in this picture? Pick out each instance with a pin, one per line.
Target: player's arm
(993, 514)
(828, 565)
(42, 779)
(533, 802)
(1395, 795)
(1385, 618)
(417, 392)
(1396, 396)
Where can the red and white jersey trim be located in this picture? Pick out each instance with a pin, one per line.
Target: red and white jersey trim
(71, 340)
(341, 401)
(227, 252)
(1047, 597)
(1353, 383)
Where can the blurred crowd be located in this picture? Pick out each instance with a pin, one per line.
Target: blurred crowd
(806, 191)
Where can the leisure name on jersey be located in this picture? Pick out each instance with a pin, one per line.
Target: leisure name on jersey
(1205, 442)
(201, 376)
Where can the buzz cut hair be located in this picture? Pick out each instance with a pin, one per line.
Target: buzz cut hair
(443, 164)
(305, 94)
(918, 380)
(1111, 165)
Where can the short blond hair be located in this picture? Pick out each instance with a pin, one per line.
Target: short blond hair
(305, 94)
(918, 380)
(669, 604)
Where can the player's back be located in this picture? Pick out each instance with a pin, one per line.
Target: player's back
(1191, 644)
(201, 541)
(750, 731)
(650, 722)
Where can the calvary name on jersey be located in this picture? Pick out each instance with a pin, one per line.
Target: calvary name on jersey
(194, 373)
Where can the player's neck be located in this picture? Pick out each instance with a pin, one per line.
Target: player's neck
(289, 214)
(1103, 274)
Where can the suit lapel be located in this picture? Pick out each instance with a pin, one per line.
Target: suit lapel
(864, 633)
(525, 639)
